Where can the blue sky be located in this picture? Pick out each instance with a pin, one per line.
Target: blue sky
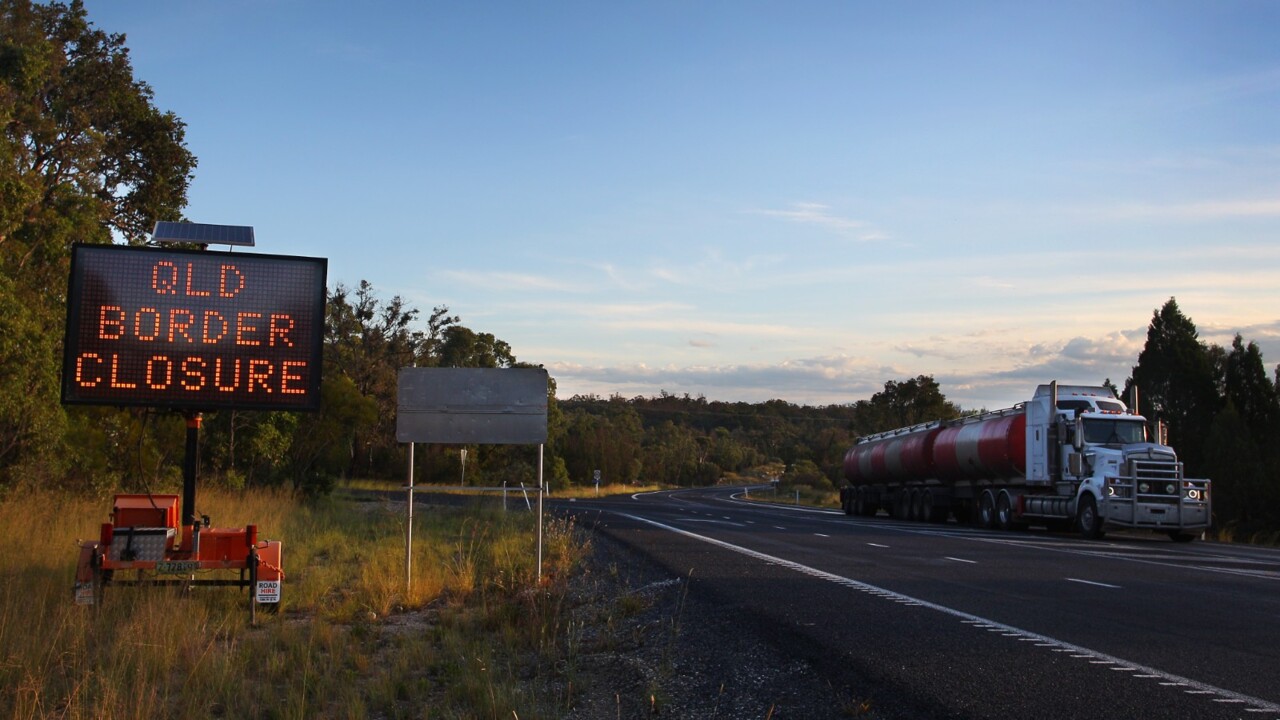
(748, 200)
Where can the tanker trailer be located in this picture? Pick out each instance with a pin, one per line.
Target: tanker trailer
(1070, 456)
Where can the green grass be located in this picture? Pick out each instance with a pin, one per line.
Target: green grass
(469, 638)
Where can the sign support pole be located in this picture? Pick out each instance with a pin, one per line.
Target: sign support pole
(190, 462)
(408, 532)
(542, 488)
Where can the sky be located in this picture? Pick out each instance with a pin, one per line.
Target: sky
(747, 200)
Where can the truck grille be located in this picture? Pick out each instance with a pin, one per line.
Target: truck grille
(1156, 480)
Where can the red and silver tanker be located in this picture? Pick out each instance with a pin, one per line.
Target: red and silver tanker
(1071, 454)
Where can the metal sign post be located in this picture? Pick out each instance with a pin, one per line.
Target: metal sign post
(408, 530)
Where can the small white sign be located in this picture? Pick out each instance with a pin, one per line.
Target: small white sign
(84, 593)
(268, 591)
(597, 477)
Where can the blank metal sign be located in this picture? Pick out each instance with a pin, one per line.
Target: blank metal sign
(472, 406)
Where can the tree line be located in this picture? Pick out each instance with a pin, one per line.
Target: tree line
(85, 156)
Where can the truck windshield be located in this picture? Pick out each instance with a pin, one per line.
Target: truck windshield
(1114, 432)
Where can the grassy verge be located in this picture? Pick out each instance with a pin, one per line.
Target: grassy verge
(796, 495)
(472, 637)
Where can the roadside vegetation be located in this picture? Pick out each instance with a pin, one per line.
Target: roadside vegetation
(476, 636)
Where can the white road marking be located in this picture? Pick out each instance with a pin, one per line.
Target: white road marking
(877, 545)
(961, 560)
(1097, 657)
(1095, 584)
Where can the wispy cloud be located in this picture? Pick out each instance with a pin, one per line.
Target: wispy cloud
(1201, 210)
(810, 213)
(498, 281)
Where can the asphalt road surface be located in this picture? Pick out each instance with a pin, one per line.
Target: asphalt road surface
(946, 621)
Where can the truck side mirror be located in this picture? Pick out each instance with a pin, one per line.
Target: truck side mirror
(1077, 438)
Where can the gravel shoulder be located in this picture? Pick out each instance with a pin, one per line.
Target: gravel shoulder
(653, 645)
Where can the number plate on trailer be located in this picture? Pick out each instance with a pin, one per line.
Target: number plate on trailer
(177, 567)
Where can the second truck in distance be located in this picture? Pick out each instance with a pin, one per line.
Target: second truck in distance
(1070, 456)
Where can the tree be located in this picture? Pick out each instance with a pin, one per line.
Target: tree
(909, 402)
(84, 155)
(463, 347)
(1176, 377)
(368, 341)
(1246, 385)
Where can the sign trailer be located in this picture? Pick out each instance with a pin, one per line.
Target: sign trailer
(190, 331)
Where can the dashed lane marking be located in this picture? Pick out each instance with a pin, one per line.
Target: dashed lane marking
(1095, 584)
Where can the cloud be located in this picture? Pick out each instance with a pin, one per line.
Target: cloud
(812, 381)
(499, 281)
(1201, 210)
(809, 213)
(981, 370)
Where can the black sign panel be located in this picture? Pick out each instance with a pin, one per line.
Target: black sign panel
(196, 330)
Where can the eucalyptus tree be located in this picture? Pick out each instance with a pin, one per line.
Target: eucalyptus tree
(85, 156)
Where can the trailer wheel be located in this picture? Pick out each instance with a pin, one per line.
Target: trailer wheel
(987, 510)
(867, 503)
(1004, 512)
(917, 506)
(1088, 520)
(902, 505)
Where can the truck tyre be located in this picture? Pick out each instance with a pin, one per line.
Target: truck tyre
(1006, 518)
(902, 505)
(1088, 520)
(987, 510)
(930, 514)
(870, 503)
(1004, 512)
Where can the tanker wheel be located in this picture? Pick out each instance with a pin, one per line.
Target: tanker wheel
(902, 505)
(987, 510)
(869, 506)
(932, 512)
(849, 504)
(872, 505)
(1004, 512)
(859, 503)
(1088, 520)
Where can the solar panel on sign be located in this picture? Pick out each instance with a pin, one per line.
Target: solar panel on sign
(202, 233)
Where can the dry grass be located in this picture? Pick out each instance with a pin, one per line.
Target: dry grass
(351, 639)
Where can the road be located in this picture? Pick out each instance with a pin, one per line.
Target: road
(948, 621)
